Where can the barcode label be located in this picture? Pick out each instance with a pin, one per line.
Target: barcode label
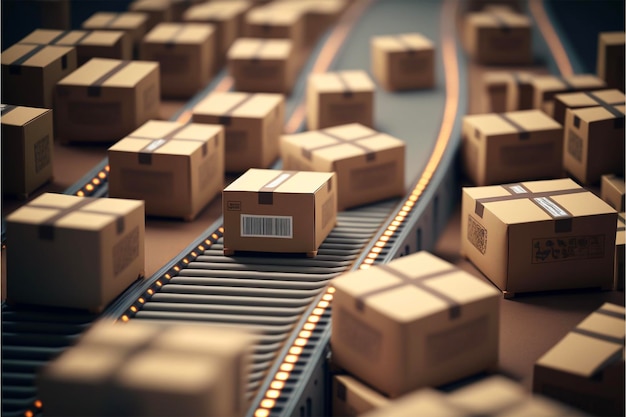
(550, 207)
(517, 189)
(266, 226)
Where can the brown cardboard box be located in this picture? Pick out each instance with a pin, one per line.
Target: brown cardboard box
(539, 236)
(620, 245)
(545, 87)
(176, 168)
(337, 98)
(478, 5)
(403, 62)
(106, 99)
(612, 191)
(88, 43)
(514, 146)
(594, 142)
(562, 102)
(27, 149)
(352, 398)
(179, 7)
(499, 38)
(507, 91)
(55, 14)
(423, 402)
(417, 321)
(185, 53)
(586, 368)
(319, 15)
(149, 369)
(252, 123)
(278, 23)
(90, 250)
(369, 164)
(29, 73)
(279, 211)
(263, 65)
(610, 62)
(158, 11)
(135, 23)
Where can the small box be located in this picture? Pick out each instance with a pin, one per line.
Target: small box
(545, 87)
(612, 191)
(252, 124)
(499, 38)
(263, 65)
(134, 23)
(106, 99)
(507, 91)
(30, 72)
(27, 149)
(562, 102)
(176, 168)
(185, 53)
(276, 23)
(594, 142)
(352, 398)
(158, 11)
(539, 236)
(586, 368)
(91, 250)
(268, 210)
(319, 15)
(417, 321)
(513, 146)
(338, 98)
(369, 164)
(610, 62)
(403, 62)
(620, 240)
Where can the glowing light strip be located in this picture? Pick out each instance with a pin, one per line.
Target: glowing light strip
(549, 34)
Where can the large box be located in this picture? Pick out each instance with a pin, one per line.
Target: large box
(185, 53)
(252, 123)
(338, 98)
(620, 246)
(151, 369)
(106, 99)
(27, 149)
(403, 62)
(507, 91)
(263, 65)
(612, 191)
(545, 87)
(425, 402)
(369, 164)
(176, 168)
(562, 102)
(539, 236)
(352, 398)
(89, 250)
(610, 59)
(30, 72)
(158, 11)
(417, 321)
(594, 142)
(514, 146)
(134, 23)
(586, 368)
(279, 211)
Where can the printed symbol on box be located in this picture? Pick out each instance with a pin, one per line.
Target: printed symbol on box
(42, 153)
(575, 146)
(477, 234)
(266, 226)
(566, 249)
(233, 205)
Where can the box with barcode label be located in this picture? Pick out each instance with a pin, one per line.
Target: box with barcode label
(513, 146)
(89, 250)
(27, 149)
(369, 164)
(185, 53)
(176, 168)
(417, 321)
(106, 99)
(613, 190)
(586, 367)
(352, 398)
(269, 210)
(539, 236)
(594, 142)
(546, 87)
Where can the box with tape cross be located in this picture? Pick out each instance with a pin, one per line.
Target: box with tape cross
(134, 23)
(513, 146)
(545, 87)
(507, 91)
(176, 168)
(539, 236)
(158, 11)
(580, 100)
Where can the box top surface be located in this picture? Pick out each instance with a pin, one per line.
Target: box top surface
(614, 181)
(103, 37)
(612, 38)
(339, 82)
(493, 124)
(488, 396)
(150, 5)
(115, 74)
(77, 364)
(311, 6)
(555, 83)
(428, 401)
(403, 42)
(274, 16)
(612, 96)
(596, 114)
(119, 336)
(217, 10)
(44, 36)
(504, 77)
(498, 19)
(22, 115)
(236, 104)
(36, 55)
(108, 20)
(287, 182)
(180, 33)
(256, 48)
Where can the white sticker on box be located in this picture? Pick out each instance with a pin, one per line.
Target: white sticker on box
(279, 180)
(266, 226)
(154, 145)
(550, 207)
(518, 189)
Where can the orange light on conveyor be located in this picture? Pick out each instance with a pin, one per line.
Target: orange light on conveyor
(291, 358)
(282, 376)
(309, 326)
(327, 297)
(305, 334)
(95, 181)
(133, 309)
(167, 276)
(102, 175)
(268, 403)
(295, 350)
(141, 300)
(185, 261)
(300, 342)
(215, 236)
(277, 385)
(261, 412)
(323, 304)
(107, 168)
(89, 187)
(38, 404)
(176, 268)
(286, 367)
(158, 283)
(201, 248)
(318, 311)
(28, 413)
(150, 291)
(193, 254)
(80, 193)
(124, 318)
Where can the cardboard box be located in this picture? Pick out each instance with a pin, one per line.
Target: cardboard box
(176, 168)
(270, 210)
(620, 240)
(612, 191)
(134, 23)
(514, 146)
(276, 23)
(568, 232)
(150, 369)
(352, 398)
(369, 164)
(545, 87)
(594, 142)
(185, 53)
(106, 99)
(55, 14)
(319, 15)
(88, 43)
(338, 98)
(263, 65)
(27, 149)
(562, 102)
(610, 62)
(417, 321)
(90, 250)
(252, 123)
(507, 91)
(403, 62)
(423, 402)
(586, 368)
(158, 11)
(179, 7)
(499, 38)
(30, 72)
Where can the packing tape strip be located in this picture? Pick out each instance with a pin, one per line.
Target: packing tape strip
(370, 155)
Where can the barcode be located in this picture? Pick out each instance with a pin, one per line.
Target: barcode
(266, 226)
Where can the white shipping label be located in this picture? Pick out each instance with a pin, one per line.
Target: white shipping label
(266, 226)
(550, 207)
